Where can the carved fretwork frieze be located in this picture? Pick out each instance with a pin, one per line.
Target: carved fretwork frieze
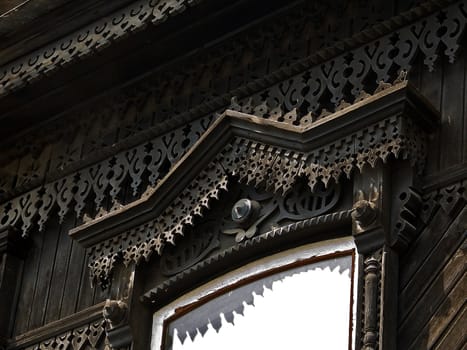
(141, 242)
(449, 198)
(315, 89)
(230, 65)
(86, 41)
(273, 168)
(89, 336)
(265, 167)
(277, 169)
(139, 166)
(330, 86)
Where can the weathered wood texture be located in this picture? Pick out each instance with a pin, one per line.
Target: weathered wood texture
(445, 88)
(433, 283)
(55, 282)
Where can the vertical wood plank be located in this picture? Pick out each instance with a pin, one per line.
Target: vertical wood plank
(432, 265)
(44, 276)
(434, 295)
(431, 87)
(73, 280)
(29, 278)
(57, 284)
(86, 296)
(452, 113)
(455, 337)
(464, 119)
(441, 318)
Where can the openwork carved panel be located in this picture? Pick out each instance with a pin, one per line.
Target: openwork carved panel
(141, 242)
(264, 167)
(310, 94)
(191, 250)
(140, 166)
(345, 79)
(90, 336)
(448, 198)
(96, 36)
(268, 210)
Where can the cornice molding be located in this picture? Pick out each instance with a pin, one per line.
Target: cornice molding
(265, 154)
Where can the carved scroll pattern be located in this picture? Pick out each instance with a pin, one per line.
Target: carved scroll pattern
(327, 87)
(152, 297)
(146, 164)
(104, 180)
(264, 167)
(169, 94)
(192, 249)
(308, 95)
(97, 36)
(90, 336)
(275, 210)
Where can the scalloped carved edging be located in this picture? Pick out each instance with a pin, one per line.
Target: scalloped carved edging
(83, 330)
(149, 162)
(449, 198)
(261, 166)
(303, 98)
(168, 289)
(89, 39)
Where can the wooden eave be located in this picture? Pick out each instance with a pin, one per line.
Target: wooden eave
(121, 61)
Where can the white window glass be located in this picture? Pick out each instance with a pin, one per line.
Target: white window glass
(300, 299)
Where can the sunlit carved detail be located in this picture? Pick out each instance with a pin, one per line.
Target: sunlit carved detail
(115, 312)
(365, 210)
(90, 336)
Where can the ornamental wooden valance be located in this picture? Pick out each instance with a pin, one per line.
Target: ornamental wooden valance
(265, 154)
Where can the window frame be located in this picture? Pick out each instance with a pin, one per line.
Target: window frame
(285, 260)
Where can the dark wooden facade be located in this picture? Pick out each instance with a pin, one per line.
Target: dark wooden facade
(95, 114)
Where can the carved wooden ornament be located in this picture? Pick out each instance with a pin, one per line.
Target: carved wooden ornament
(265, 154)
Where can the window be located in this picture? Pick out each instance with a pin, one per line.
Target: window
(298, 299)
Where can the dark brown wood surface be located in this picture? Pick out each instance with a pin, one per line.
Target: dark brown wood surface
(55, 283)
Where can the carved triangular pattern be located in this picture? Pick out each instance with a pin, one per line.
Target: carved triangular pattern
(263, 166)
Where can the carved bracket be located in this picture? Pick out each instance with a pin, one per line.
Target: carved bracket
(118, 330)
(365, 211)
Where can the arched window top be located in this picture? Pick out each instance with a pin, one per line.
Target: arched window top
(298, 298)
